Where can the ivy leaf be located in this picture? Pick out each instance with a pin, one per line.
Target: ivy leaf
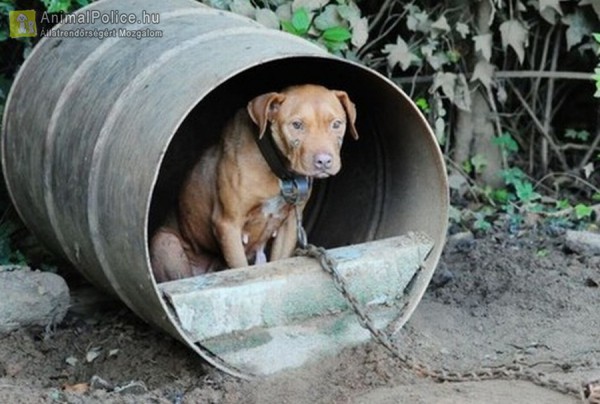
(484, 72)
(507, 143)
(462, 29)
(328, 18)
(514, 34)
(57, 6)
(483, 44)
(243, 7)
(579, 27)
(549, 9)
(360, 31)
(309, 5)
(301, 21)
(399, 53)
(594, 3)
(417, 20)
(446, 81)
(284, 12)
(441, 24)
(583, 211)
(348, 11)
(337, 34)
(455, 87)
(267, 17)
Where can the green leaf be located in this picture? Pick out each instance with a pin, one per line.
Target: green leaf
(337, 34)
(507, 143)
(582, 135)
(596, 37)
(501, 195)
(563, 204)
(479, 163)
(5, 7)
(583, 211)
(288, 27)
(596, 197)
(423, 104)
(328, 18)
(512, 175)
(525, 191)
(301, 21)
(57, 6)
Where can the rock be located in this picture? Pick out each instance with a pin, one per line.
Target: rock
(98, 383)
(463, 241)
(31, 298)
(583, 242)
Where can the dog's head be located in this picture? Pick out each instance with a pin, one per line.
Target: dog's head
(308, 124)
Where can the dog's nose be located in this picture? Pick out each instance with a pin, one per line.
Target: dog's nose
(323, 161)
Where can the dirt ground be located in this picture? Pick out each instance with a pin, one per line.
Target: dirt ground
(497, 300)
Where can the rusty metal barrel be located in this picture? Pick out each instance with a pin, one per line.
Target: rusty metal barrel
(98, 134)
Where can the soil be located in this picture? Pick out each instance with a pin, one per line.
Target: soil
(497, 300)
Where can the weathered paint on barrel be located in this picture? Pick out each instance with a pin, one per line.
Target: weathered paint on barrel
(98, 133)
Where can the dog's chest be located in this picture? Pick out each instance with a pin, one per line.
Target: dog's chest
(275, 208)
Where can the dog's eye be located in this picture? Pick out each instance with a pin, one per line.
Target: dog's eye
(337, 124)
(298, 125)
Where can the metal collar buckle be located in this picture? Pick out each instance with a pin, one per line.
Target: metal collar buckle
(295, 190)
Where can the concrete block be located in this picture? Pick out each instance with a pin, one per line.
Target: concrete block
(252, 316)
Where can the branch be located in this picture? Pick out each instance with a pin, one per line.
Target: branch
(540, 127)
(516, 74)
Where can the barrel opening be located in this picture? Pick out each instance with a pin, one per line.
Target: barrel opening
(380, 172)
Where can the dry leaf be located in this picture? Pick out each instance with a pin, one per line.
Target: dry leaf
(92, 354)
(71, 360)
(79, 388)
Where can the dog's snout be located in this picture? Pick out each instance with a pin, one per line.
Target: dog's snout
(323, 161)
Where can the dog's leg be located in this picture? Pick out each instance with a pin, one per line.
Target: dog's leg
(229, 235)
(168, 258)
(285, 240)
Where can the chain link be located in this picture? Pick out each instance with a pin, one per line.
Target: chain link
(384, 337)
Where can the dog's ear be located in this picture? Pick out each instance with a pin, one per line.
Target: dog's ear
(262, 108)
(350, 111)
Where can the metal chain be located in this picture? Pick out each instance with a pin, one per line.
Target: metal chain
(511, 372)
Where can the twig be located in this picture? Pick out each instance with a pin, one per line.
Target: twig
(565, 174)
(567, 211)
(549, 98)
(590, 152)
(540, 127)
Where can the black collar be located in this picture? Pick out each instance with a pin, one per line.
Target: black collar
(295, 188)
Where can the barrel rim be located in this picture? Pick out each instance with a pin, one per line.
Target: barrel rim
(431, 262)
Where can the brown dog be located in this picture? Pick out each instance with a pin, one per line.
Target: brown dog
(231, 208)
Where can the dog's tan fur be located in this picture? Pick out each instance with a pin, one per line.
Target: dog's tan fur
(230, 207)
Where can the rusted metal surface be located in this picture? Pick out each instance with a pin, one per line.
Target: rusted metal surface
(96, 134)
